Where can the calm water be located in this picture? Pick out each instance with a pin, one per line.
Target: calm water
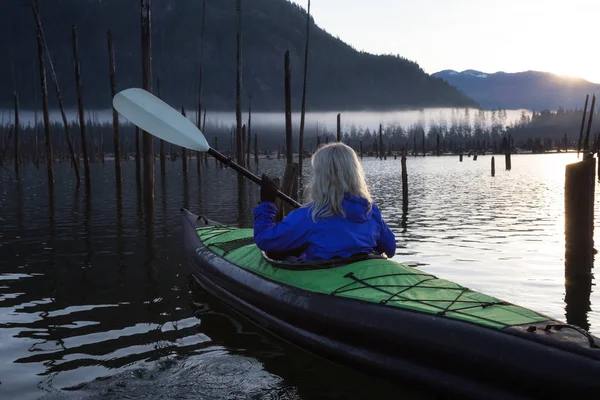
(92, 306)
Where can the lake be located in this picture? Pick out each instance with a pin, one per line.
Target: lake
(93, 306)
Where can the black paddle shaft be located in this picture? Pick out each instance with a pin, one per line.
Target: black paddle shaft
(238, 168)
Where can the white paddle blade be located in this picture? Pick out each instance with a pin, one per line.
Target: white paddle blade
(156, 117)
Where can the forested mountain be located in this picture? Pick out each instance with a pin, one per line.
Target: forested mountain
(531, 90)
(340, 77)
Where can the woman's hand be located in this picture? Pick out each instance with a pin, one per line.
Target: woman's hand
(268, 189)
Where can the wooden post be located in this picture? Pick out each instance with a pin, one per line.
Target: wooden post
(146, 33)
(289, 155)
(587, 98)
(404, 182)
(162, 142)
(184, 154)
(86, 164)
(17, 129)
(339, 128)
(256, 148)
(437, 147)
(113, 92)
(507, 161)
(460, 157)
(239, 148)
(475, 156)
(303, 111)
(586, 142)
(493, 166)
(249, 137)
(44, 91)
(579, 216)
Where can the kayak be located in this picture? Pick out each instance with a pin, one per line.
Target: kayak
(381, 317)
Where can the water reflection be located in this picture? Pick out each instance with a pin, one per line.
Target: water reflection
(20, 207)
(577, 300)
(186, 193)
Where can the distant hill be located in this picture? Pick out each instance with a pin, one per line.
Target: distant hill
(340, 77)
(530, 90)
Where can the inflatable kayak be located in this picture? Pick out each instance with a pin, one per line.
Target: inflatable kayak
(393, 321)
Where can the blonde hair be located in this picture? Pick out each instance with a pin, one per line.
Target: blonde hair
(336, 172)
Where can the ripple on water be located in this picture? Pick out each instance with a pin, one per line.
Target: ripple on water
(214, 373)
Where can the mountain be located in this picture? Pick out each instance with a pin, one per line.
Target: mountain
(531, 90)
(340, 77)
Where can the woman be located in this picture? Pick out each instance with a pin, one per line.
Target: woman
(339, 219)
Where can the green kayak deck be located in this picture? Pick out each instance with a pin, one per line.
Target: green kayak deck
(380, 281)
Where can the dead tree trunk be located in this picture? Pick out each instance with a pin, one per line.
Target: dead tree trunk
(201, 81)
(289, 155)
(162, 142)
(204, 131)
(303, 111)
(243, 136)
(113, 92)
(290, 177)
(256, 148)
(44, 91)
(84, 149)
(587, 98)
(17, 129)
(239, 145)
(146, 25)
(380, 142)
(586, 142)
(184, 155)
(249, 137)
(56, 86)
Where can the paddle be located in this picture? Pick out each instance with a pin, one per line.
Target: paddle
(156, 117)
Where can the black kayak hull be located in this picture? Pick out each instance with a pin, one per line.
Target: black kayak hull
(446, 355)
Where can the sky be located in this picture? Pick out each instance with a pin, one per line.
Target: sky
(485, 35)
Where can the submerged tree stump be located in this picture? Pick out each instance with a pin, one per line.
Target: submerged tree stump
(579, 216)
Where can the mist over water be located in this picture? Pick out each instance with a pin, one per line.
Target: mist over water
(328, 120)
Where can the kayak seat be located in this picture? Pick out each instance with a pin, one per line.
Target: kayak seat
(291, 260)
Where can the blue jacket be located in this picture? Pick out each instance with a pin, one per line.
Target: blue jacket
(361, 231)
